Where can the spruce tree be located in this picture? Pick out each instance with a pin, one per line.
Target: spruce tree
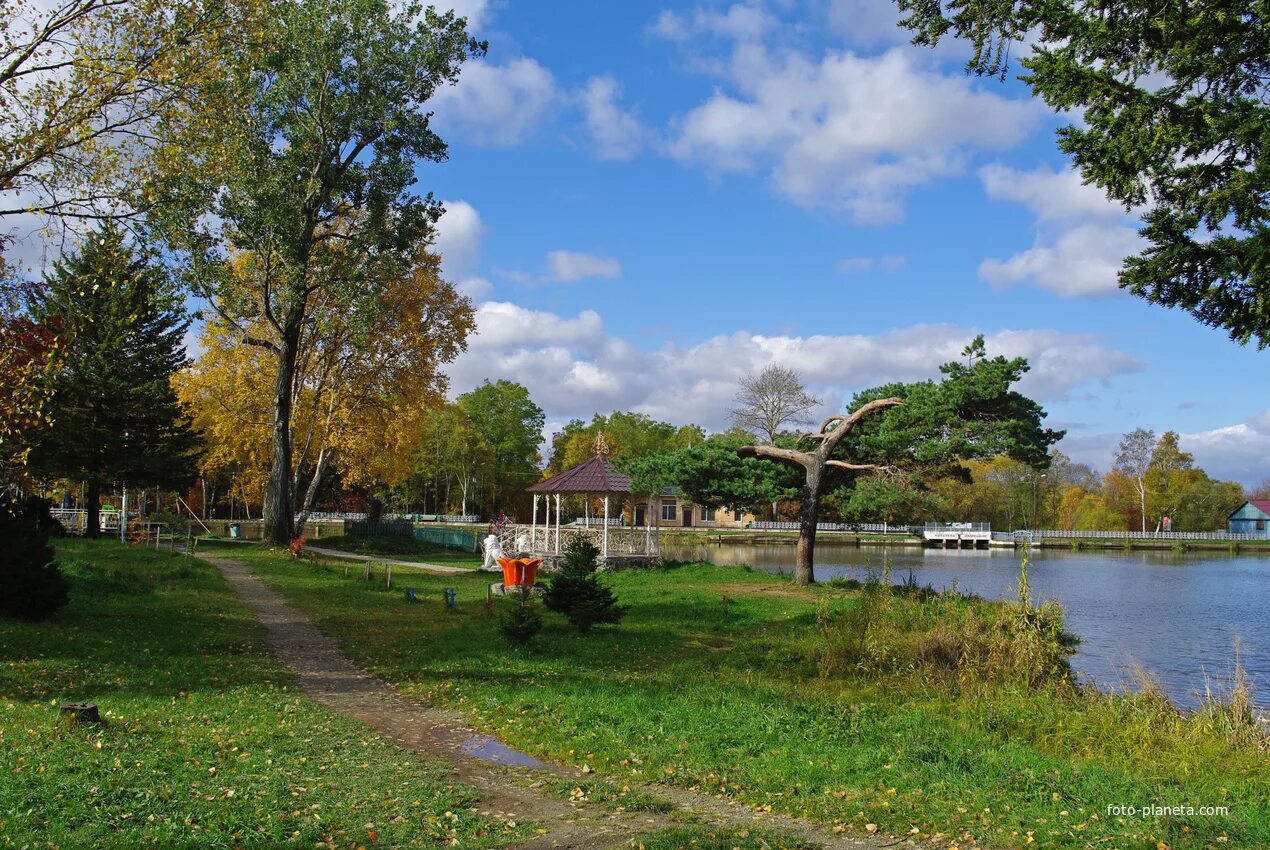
(576, 592)
(115, 415)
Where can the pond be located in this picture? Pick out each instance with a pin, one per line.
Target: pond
(1177, 616)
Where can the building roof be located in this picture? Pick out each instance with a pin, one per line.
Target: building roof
(591, 476)
(1262, 505)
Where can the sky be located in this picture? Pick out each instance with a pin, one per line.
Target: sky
(647, 201)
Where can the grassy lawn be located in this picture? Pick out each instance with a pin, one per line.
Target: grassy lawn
(403, 548)
(718, 680)
(204, 744)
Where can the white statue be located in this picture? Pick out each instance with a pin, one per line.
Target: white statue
(493, 551)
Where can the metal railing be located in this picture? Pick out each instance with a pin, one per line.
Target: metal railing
(1139, 535)
(860, 527)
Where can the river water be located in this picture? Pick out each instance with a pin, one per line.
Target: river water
(1178, 616)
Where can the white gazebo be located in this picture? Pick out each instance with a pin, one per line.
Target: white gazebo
(593, 478)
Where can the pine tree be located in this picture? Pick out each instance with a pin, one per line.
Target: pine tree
(115, 416)
(576, 590)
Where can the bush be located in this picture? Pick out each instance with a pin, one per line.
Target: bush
(576, 591)
(521, 625)
(31, 585)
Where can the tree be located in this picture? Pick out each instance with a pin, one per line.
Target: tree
(770, 400)
(511, 425)
(450, 448)
(32, 586)
(312, 178)
(576, 592)
(929, 426)
(1133, 458)
(367, 376)
(1173, 104)
(28, 357)
(90, 87)
(115, 413)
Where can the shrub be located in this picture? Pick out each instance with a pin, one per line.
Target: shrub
(576, 591)
(31, 585)
(521, 624)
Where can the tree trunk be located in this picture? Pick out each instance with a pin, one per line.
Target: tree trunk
(805, 556)
(92, 508)
(324, 457)
(279, 508)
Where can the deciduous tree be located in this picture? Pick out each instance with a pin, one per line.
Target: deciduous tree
(1133, 458)
(769, 401)
(312, 178)
(511, 425)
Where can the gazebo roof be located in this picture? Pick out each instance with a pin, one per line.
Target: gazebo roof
(592, 476)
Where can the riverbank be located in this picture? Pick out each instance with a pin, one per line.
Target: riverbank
(899, 712)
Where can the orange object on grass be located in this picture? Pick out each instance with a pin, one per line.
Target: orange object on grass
(519, 572)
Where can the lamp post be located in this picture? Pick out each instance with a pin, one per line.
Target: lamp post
(1036, 496)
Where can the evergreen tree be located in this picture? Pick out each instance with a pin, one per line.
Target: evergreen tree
(115, 415)
(576, 591)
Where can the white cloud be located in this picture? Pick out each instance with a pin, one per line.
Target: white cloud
(847, 132)
(615, 133)
(1082, 261)
(496, 105)
(865, 23)
(1081, 241)
(738, 22)
(568, 266)
(476, 12)
(1238, 452)
(1050, 195)
(572, 367)
(861, 265)
(458, 239)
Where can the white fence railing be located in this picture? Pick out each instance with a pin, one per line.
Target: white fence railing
(1139, 535)
(459, 519)
(545, 540)
(613, 522)
(862, 527)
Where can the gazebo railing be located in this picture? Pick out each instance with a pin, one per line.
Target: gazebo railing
(541, 540)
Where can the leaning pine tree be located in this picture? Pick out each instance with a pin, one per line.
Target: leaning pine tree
(114, 413)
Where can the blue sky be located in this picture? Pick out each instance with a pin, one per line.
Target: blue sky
(649, 200)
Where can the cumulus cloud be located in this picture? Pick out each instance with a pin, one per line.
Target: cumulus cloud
(496, 105)
(1081, 239)
(866, 23)
(847, 132)
(457, 240)
(739, 22)
(615, 133)
(573, 367)
(1234, 452)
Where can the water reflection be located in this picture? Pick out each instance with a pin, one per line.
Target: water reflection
(1177, 616)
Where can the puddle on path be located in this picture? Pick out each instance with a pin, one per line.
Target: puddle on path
(492, 750)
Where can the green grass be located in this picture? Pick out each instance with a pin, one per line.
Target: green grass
(404, 548)
(729, 698)
(204, 743)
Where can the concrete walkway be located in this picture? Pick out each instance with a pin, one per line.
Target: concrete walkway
(505, 778)
(353, 556)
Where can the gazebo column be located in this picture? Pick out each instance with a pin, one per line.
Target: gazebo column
(533, 526)
(557, 523)
(606, 526)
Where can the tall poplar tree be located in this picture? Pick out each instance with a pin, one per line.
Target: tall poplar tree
(311, 177)
(114, 413)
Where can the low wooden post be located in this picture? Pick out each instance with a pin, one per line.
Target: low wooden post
(388, 575)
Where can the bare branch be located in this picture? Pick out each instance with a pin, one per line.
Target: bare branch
(802, 459)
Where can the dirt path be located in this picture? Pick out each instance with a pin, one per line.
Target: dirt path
(503, 776)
